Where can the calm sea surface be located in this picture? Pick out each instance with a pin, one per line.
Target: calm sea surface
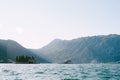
(59, 71)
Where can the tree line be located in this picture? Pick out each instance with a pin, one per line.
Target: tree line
(25, 59)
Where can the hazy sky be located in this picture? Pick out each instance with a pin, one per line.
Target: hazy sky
(35, 23)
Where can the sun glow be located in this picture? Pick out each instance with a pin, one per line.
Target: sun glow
(19, 30)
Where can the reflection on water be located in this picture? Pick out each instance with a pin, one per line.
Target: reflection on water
(59, 72)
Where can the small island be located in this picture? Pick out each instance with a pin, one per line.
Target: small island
(25, 59)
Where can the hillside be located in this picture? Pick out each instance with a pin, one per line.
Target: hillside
(94, 49)
(9, 49)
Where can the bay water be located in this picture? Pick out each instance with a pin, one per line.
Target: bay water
(59, 71)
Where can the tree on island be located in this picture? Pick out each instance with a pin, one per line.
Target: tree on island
(25, 59)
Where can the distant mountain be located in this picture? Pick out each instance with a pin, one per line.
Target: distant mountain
(9, 49)
(3, 51)
(94, 49)
(36, 51)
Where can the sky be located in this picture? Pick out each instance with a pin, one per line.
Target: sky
(35, 23)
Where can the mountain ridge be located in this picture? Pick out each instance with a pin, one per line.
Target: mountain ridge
(10, 49)
(100, 49)
(91, 49)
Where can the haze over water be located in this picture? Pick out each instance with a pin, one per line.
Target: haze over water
(35, 23)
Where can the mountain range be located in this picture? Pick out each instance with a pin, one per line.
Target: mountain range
(91, 49)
